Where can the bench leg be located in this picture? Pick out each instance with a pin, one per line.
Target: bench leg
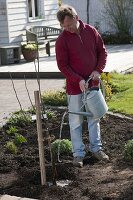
(48, 48)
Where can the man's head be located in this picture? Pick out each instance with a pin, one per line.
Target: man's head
(67, 16)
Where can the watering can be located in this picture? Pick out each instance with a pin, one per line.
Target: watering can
(94, 101)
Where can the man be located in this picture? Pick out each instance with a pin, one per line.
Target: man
(80, 53)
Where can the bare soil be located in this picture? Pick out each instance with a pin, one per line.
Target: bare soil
(20, 173)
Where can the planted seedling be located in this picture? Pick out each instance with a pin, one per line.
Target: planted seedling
(20, 119)
(128, 151)
(19, 139)
(65, 146)
(11, 147)
(12, 130)
(50, 114)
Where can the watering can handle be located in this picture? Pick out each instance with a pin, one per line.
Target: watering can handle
(101, 84)
(88, 79)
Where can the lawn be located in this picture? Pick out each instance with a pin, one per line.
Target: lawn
(122, 98)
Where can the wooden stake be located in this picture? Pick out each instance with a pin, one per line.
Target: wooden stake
(40, 137)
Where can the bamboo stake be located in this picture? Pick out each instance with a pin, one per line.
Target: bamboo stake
(40, 138)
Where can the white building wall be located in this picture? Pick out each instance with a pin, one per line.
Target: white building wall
(17, 19)
(97, 15)
(80, 6)
(14, 19)
(50, 10)
(4, 39)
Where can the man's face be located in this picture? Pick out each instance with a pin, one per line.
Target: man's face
(70, 24)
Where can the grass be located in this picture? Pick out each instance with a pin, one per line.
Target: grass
(122, 98)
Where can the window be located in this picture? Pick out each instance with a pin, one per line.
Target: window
(33, 9)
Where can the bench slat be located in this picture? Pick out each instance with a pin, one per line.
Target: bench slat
(42, 35)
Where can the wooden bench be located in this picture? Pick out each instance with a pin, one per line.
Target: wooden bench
(41, 35)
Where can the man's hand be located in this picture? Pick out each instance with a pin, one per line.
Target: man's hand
(82, 85)
(95, 75)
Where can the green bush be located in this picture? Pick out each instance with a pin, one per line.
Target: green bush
(117, 38)
(50, 114)
(12, 130)
(19, 139)
(106, 78)
(11, 147)
(128, 151)
(20, 119)
(64, 144)
(54, 98)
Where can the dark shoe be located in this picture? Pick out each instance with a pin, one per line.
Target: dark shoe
(78, 161)
(100, 155)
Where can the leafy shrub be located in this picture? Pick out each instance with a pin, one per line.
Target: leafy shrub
(12, 130)
(117, 38)
(11, 147)
(32, 110)
(54, 98)
(64, 144)
(20, 119)
(106, 77)
(50, 114)
(19, 139)
(128, 151)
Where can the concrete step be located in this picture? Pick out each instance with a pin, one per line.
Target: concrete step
(8, 197)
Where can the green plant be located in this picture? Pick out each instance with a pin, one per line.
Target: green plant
(50, 114)
(106, 77)
(11, 147)
(116, 38)
(54, 98)
(128, 151)
(29, 46)
(19, 139)
(65, 146)
(32, 110)
(12, 130)
(29, 51)
(20, 119)
(122, 93)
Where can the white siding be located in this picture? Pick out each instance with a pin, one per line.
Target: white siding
(14, 19)
(97, 15)
(3, 23)
(50, 10)
(17, 19)
(80, 6)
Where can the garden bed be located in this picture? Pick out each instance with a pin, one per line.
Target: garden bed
(20, 172)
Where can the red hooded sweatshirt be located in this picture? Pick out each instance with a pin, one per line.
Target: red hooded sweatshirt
(79, 55)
